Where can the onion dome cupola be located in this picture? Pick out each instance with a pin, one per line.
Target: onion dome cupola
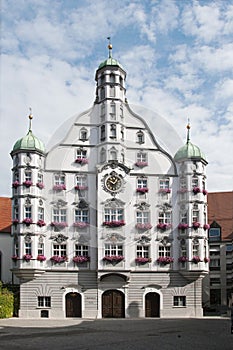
(189, 151)
(29, 142)
(110, 77)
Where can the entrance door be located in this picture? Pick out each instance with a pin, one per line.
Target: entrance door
(73, 305)
(152, 304)
(113, 304)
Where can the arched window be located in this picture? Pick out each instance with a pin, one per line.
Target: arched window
(195, 213)
(102, 155)
(83, 134)
(112, 78)
(102, 133)
(102, 79)
(113, 131)
(113, 153)
(112, 91)
(102, 93)
(140, 137)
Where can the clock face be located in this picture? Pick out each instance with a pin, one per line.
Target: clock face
(113, 183)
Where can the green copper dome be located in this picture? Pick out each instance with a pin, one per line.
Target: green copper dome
(189, 151)
(29, 142)
(110, 62)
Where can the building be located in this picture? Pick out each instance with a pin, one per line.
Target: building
(220, 213)
(5, 240)
(107, 223)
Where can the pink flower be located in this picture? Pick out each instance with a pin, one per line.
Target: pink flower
(183, 226)
(146, 226)
(81, 160)
(60, 187)
(27, 221)
(141, 164)
(163, 226)
(41, 223)
(206, 226)
(205, 192)
(142, 189)
(80, 259)
(41, 257)
(81, 224)
(58, 259)
(183, 259)
(40, 185)
(81, 188)
(113, 258)
(59, 224)
(27, 257)
(196, 190)
(114, 223)
(142, 260)
(27, 183)
(196, 225)
(165, 190)
(15, 184)
(164, 260)
(196, 259)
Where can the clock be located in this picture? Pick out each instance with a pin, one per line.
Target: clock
(113, 183)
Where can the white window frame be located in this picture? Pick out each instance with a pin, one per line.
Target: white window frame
(113, 214)
(164, 251)
(59, 249)
(113, 249)
(179, 301)
(142, 217)
(143, 251)
(81, 250)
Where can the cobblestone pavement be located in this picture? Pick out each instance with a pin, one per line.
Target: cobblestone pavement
(116, 334)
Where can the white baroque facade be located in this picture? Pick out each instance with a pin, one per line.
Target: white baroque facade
(107, 223)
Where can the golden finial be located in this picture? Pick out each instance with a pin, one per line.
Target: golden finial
(30, 118)
(109, 47)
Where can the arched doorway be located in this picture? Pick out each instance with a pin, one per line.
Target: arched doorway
(113, 304)
(73, 305)
(152, 303)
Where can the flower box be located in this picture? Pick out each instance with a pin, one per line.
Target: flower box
(81, 188)
(41, 257)
(41, 223)
(142, 189)
(15, 184)
(196, 190)
(40, 185)
(58, 259)
(27, 221)
(142, 260)
(81, 161)
(114, 223)
(15, 221)
(61, 187)
(206, 227)
(27, 257)
(15, 257)
(206, 260)
(205, 192)
(59, 224)
(165, 260)
(183, 259)
(164, 190)
(81, 224)
(113, 258)
(163, 227)
(27, 183)
(196, 259)
(182, 190)
(81, 259)
(183, 226)
(141, 226)
(141, 164)
(196, 225)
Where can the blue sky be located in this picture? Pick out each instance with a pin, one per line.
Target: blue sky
(177, 54)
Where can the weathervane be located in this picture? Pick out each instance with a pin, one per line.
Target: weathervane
(109, 47)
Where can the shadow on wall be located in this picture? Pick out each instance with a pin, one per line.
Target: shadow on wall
(133, 309)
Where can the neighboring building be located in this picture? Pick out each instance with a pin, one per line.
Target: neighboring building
(220, 213)
(107, 223)
(5, 240)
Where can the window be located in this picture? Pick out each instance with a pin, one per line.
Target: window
(44, 301)
(179, 300)
(59, 250)
(116, 214)
(112, 78)
(112, 91)
(102, 155)
(16, 249)
(41, 213)
(28, 248)
(28, 175)
(113, 110)
(102, 93)
(83, 134)
(81, 215)
(195, 213)
(142, 183)
(121, 112)
(81, 153)
(40, 250)
(81, 250)
(59, 179)
(164, 184)
(195, 248)
(142, 251)
(164, 251)
(142, 217)
(113, 249)
(183, 249)
(16, 213)
(165, 217)
(59, 215)
(183, 184)
(113, 153)
(214, 234)
(102, 133)
(81, 181)
(194, 181)
(113, 131)
(16, 176)
(28, 212)
(183, 218)
(40, 178)
(140, 137)
(122, 133)
(102, 111)
(141, 157)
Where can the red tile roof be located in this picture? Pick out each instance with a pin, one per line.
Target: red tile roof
(5, 215)
(220, 209)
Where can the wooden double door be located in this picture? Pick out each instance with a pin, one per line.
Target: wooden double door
(113, 304)
(73, 305)
(152, 301)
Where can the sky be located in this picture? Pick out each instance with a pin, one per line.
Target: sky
(178, 55)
